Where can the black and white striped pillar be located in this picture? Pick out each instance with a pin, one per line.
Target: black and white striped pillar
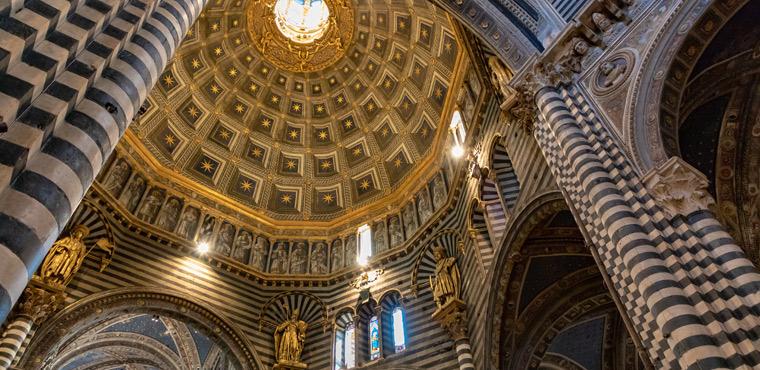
(73, 74)
(13, 339)
(464, 354)
(692, 296)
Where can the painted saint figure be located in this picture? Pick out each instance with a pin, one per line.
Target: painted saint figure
(288, 340)
(447, 280)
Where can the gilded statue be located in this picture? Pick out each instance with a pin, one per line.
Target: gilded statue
(447, 280)
(67, 254)
(288, 342)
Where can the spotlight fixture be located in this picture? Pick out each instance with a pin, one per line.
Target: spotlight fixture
(457, 151)
(203, 247)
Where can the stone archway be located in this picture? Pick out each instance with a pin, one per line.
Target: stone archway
(55, 336)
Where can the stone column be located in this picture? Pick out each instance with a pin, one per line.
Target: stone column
(691, 295)
(50, 157)
(453, 318)
(36, 305)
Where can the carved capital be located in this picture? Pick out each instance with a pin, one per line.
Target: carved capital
(38, 304)
(678, 188)
(453, 318)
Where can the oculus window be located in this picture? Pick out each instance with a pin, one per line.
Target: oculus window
(302, 21)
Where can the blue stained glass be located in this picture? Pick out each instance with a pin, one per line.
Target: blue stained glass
(374, 338)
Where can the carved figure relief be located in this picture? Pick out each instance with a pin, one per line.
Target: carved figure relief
(337, 255)
(380, 237)
(319, 258)
(602, 23)
(188, 223)
(224, 241)
(613, 72)
(679, 188)
(207, 229)
(242, 246)
(167, 219)
(397, 235)
(298, 258)
(118, 177)
(279, 264)
(150, 205)
(259, 253)
(131, 196)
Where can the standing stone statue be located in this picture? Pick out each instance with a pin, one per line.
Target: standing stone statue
(150, 205)
(397, 235)
(380, 237)
(117, 178)
(337, 255)
(224, 242)
(207, 228)
(188, 223)
(258, 253)
(447, 280)
(289, 338)
(167, 218)
(319, 259)
(410, 221)
(298, 259)
(351, 251)
(439, 193)
(423, 205)
(242, 246)
(131, 196)
(279, 263)
(67, 254)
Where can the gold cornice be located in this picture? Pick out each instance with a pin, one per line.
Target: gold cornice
(378, 208)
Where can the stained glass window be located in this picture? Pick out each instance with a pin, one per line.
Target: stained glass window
(348, 347)
(374, 339)
(399, 337)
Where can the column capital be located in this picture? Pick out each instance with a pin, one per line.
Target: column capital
(38, 303)
(678, 188)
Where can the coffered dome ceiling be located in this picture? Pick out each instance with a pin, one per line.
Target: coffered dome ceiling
(319, 131)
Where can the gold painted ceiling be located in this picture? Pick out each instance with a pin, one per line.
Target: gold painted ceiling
(228, 121)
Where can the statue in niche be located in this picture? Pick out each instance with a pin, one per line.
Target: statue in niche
(423, 205)
(380, 237)
(258, 253)
(289, 338)
(439, 192)
(601, 21)
(397, 235)
(351, 250)
(118, 176)
(224, 242)
(298, 259)
(337, 255)
(131, 196)
(319, 259)
(447, 280)
(167, 219)
(279, 263)
(67, 254)
(410, 222)
(150, 205)
(242, 246)
(207, 229)
(188, 223)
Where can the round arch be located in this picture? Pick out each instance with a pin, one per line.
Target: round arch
(687, 33)
(87, 313)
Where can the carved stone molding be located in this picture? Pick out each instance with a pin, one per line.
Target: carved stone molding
(453, 318)
(679, 188)
(38, 303)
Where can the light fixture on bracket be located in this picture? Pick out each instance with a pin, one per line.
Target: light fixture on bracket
(366, 279)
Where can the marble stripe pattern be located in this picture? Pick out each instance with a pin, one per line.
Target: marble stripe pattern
(690, 293)
(14, 337)
(74, 125)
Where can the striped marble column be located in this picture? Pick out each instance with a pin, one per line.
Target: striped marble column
(692, 296)
(464, 354)
(57, 146)
(13, 339)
